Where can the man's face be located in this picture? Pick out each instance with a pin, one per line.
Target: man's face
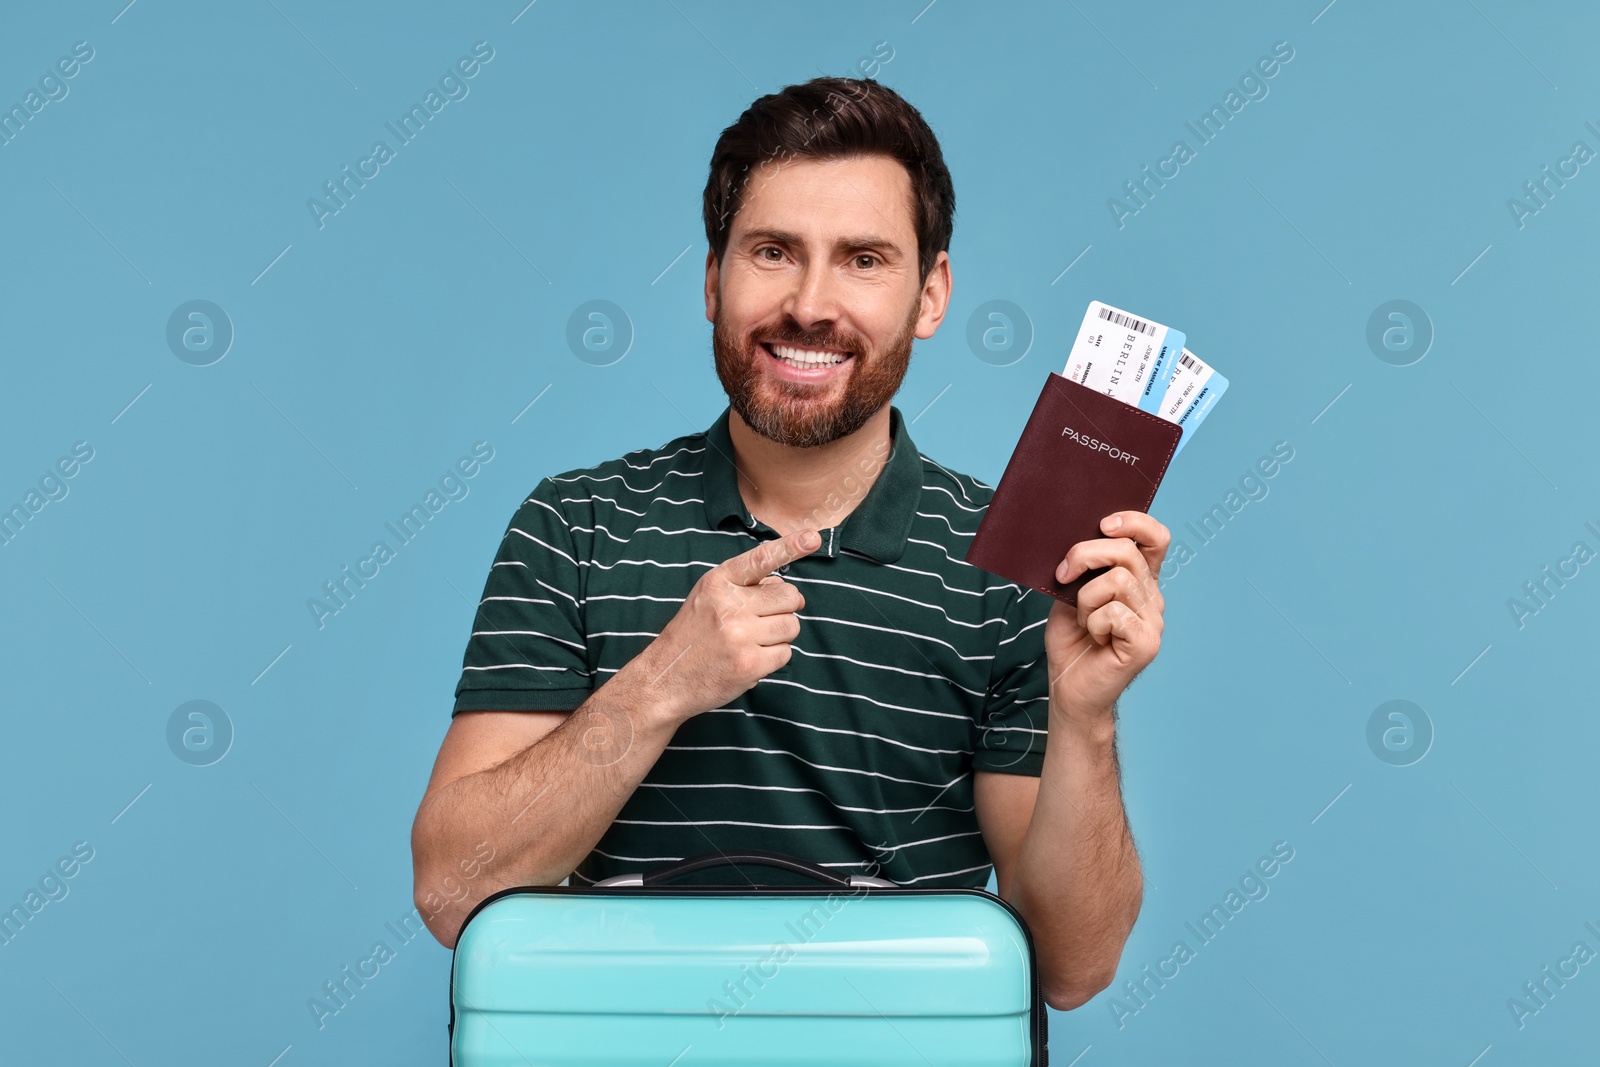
(822, 256)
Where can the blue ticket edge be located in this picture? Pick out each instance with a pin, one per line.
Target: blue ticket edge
(1200, 407)
(1155, 388)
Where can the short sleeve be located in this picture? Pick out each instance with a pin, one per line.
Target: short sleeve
(1011, 739)
(528, 649)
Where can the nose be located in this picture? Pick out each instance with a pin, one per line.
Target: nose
(815, 296)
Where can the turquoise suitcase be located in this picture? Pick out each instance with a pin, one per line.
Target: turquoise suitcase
(633, 972)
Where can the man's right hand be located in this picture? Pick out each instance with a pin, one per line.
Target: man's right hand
(733, 630)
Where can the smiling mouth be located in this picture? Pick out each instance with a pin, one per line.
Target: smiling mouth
(804, 358)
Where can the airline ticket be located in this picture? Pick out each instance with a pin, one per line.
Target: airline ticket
(1124, 356)
(1194, 388)
(1143, 363)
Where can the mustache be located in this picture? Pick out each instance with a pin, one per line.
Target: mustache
(802, 341)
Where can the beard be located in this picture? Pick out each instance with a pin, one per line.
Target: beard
(794, 413)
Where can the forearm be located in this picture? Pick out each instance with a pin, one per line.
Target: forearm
(537, 814)
(1078, 882)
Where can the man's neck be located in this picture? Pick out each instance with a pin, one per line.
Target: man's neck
(792, 488)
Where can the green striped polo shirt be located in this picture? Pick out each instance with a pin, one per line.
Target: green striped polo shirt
(912, 669)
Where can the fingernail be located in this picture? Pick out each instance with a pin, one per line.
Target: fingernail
(1113, 523)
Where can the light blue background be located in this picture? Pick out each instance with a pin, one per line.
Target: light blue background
(432, 310)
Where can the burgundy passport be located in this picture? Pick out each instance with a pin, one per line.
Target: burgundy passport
(1082, 455)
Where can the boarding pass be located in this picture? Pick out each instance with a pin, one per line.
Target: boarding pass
(1124, 356)
(1145, 364)
(1194, 388)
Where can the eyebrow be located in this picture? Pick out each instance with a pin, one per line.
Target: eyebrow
(866, 240)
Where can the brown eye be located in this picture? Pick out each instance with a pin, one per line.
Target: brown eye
(864, 255)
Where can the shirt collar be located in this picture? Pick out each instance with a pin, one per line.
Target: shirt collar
(877, 527)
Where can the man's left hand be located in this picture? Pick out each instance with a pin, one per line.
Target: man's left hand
(1096, 648)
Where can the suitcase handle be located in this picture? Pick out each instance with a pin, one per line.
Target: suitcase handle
(753, 856)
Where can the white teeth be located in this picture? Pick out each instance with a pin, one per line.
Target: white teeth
(799, 357)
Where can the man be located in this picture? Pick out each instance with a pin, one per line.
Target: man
(765, 634)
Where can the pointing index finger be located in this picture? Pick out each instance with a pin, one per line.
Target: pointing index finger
(748, 568)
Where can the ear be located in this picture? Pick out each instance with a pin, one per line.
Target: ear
(935, 297)
(711, 286)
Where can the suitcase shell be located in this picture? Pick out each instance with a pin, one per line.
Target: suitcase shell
(650, 975)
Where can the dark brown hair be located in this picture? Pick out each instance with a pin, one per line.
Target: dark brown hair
(832, 118)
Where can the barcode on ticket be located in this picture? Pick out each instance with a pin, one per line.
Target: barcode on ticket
(1127, 322)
